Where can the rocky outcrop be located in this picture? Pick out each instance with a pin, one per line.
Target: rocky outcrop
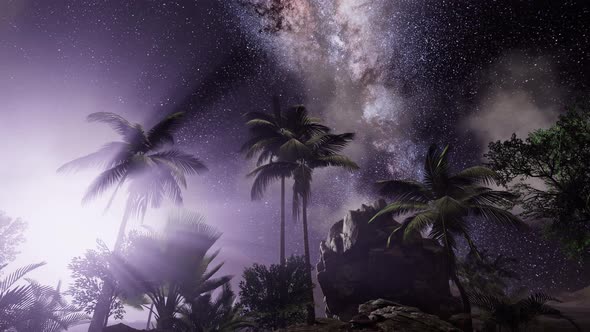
(356, 266)
(383, 316)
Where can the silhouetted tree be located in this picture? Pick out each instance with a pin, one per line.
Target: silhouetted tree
(11, 236)
(262, 286)
(152, 170)
(299, 157)
(89, 273)
(549, 170)
(267, 134)
(444, 202)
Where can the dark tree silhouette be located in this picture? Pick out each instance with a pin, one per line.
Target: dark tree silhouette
(549, 170)
(267, 134)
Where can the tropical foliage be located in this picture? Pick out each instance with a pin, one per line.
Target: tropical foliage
(514, 314)
(549, 170)
(31, 307)
(263, 290)
(206, 314)
(89, 273)
(443, 204)
(144, 160)
(11, 236)
(172, 268)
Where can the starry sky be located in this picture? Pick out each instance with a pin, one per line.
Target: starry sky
(401, 74)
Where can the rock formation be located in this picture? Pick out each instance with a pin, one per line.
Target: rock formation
(382, 316)
(356, 266)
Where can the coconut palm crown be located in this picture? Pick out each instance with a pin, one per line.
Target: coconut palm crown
(444, 203)
(268, 132)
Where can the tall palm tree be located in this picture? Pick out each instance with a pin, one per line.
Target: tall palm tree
(143, 159)
(172, 268)
(298, 158)
(268, 133)
(444, 202)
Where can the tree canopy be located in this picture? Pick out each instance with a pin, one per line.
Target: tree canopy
(549, 170)
(11, 236)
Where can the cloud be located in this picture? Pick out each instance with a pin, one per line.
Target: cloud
(521, 96)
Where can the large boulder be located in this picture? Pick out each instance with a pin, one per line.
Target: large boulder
(382, 316)
(356, 266)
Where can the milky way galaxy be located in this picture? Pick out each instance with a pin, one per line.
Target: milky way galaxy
(400, 74)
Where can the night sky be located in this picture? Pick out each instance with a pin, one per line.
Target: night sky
(401, 74)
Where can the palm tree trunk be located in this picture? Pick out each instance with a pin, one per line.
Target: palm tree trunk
(283, 261)
(282, 241)
(100, 317)
(147, 326)
(310, 304)
(466, 303)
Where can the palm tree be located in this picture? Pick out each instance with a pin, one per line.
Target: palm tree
(298, 157)
(32, 307)
(14, 299)
(152, 169)
(443, 203)
(268, 133)
(512, 313)
(172, 268)
(49, 311)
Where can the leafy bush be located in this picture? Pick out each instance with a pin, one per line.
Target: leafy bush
(275, 296)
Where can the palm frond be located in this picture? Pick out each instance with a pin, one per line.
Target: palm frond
(294, 149)
(326, 144)
(496, 215)
(187, 163)
(109, 155)
(254, 123)
(13, 277)
(402, 190)
(266, 174)
(475, 175)
(419, 222)
(399, 208)
(106, 180)
(162, 132)
(487, 196)
(336, 160)
(128, 131)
